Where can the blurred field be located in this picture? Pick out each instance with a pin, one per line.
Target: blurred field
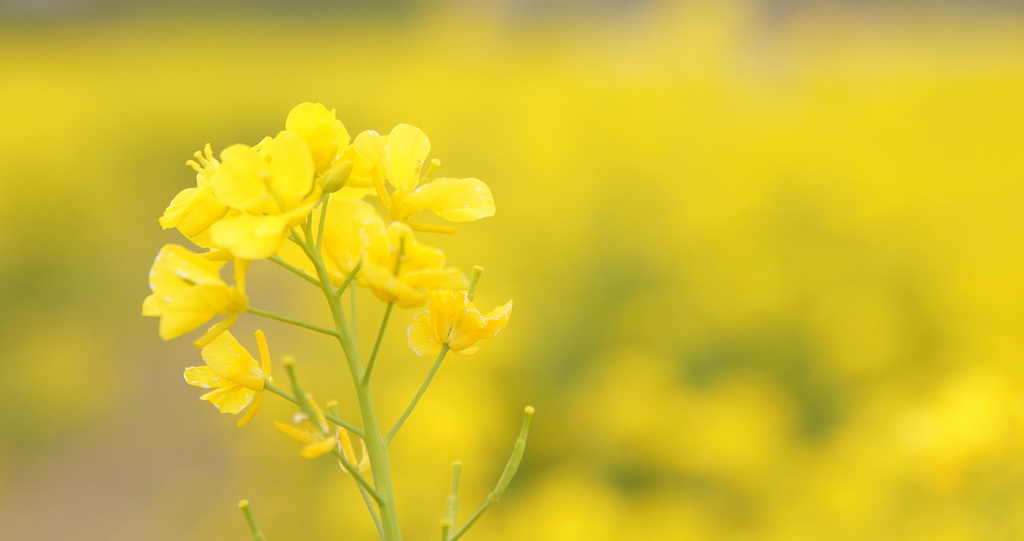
(768, 269)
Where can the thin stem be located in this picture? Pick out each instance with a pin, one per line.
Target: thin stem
(376, 345)
(323, 219)
(332, 418)
(506, 476)
(416, 399)
(453, 498)
(353, 307)
(376, 447)
(357, 476)
(293, 321)
(295, 270)
(477, 271)
(373, 512)
(348, 280)
(333, 406)
(257, 535)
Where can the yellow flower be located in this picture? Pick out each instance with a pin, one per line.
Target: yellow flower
(188, 292)
(237, 381)
(354, 232)
(452, 319)
(398, 158)
(319, 438)
(194, 210)
(323, 133)
(272, 186)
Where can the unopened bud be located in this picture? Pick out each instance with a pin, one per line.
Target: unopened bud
(337, 176)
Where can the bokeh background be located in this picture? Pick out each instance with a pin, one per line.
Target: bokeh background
(766, 258)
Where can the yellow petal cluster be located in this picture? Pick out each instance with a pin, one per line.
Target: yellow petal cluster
(395, 266)
(398, 158)
(194, 210)
(237, 381)
(453, 320)
(248, 201)
(273, 189)
(188, 291)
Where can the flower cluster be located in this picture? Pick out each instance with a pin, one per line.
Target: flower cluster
(304, 200)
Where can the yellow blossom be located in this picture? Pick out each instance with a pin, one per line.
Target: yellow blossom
(237, 381)
(453, 320)
(323, 133)
(188, 292)
(319, 438)
(354, 232)
(398, 158)
(272, 187)
(194, 210)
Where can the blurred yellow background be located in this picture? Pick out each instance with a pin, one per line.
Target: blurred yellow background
(767, 261)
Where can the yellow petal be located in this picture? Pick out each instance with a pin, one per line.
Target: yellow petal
(299, 434)
(350, 228)
(367, 154)
(496, 320)
(318, 448)
(292, 169)
(175, 268)
(230, 399)
(241, 181)
(388, 288)
(202, 376)
(422, 338)
(227, 358)
(251, 411)
(454, 199)
(442, 278)
(407, 148)
(251, 237)
(323, 133)
(188, 309)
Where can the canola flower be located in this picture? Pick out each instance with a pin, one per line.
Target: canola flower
(188, 292)
(398, 158)
(296, 199)
(453, 321)
(237, 381)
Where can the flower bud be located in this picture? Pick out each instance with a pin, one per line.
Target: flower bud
(337, 176)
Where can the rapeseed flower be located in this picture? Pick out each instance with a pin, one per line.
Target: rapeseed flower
(398, 158)
(237, 381)
(395, 266)
(323, 133)
(194, 210)
(188, 291)
(453, 320)
(319, 438)
(272, 186)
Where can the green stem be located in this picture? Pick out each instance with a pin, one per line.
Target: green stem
(376, 447)
(506, 476)
(376, 345)
(323, 219)
(353, 306)
(332, 418)
(293, 321)
(333, 406)
(295, 270)
(416, 399)
(348, 280)
(360, 480)
(257, 535)
(453, 498)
